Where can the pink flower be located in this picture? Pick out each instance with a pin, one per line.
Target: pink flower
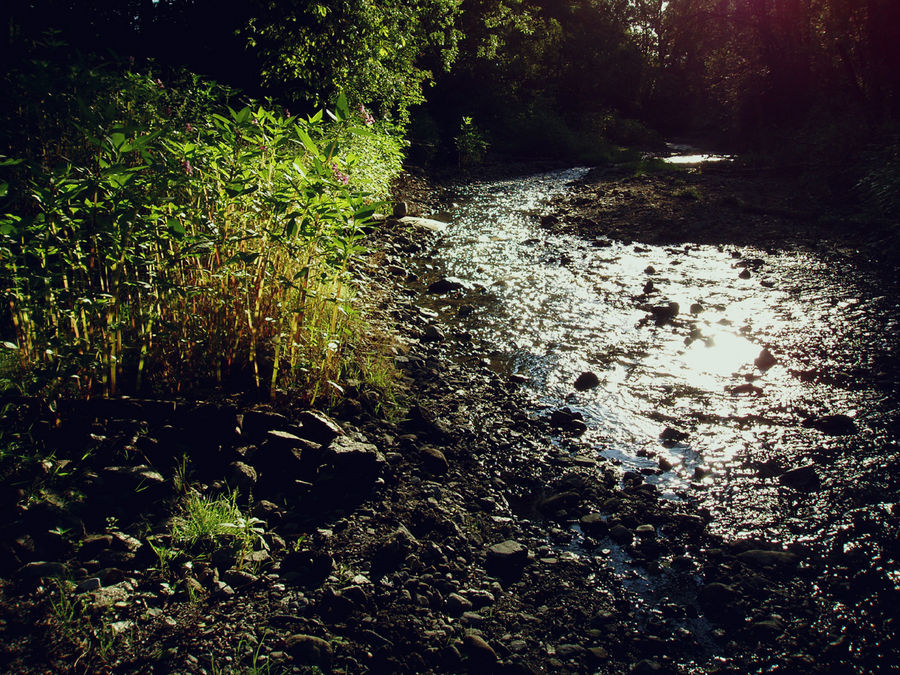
(287, 113)
(340, 175)
(186, 165)
(160, 84)
(190, 128)
(366, 115)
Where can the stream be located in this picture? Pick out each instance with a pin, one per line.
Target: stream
(784, 449)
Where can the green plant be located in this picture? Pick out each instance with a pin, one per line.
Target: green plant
(471, 145)
(91, 636)
(152, 236)
(206, 523)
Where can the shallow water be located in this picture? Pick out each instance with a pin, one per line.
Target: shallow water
(553, 306)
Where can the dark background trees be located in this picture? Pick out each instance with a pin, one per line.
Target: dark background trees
(539, 76)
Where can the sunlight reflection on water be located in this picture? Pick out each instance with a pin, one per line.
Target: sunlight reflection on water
(555, 306)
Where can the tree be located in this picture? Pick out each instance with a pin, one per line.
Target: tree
(377, 52)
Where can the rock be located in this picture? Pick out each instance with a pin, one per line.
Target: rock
(621, 535)
(307, 568)
(765, 360)
(565, 418)
(594, 525)
(88, 585)
(434, 460)
(141, 480)
(400, 210)
(433, 333)
(457, 604)
(745, 274)
(94, 545)
(802, 478)
(424, 223)
(446, 285)
(559, 501)
(319, 427)
(696, 308)
(645, 667)
(355, 461)
(569, 651)
(480, 653)
(587, 380)
(650, 269)
(648, 287)
(772, 559)
(832, 425)
(645, 531)
(308, 650)
(663, 314)
(241, 477)
(507, 558)
(598, 653)
(769, 469)
(720, 601)
(672, 435)
(43, 570)
(392, 551)
(255, 423)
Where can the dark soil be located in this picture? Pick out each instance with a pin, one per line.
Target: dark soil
(463, 533)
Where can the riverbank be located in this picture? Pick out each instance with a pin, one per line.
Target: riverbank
(466, 533)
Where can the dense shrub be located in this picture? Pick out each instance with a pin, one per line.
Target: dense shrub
(157, 234)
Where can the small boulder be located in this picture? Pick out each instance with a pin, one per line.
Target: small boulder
(507, 558)
(434, 460)
(832, 425)
(621, 535)
(319, 427)
(446, 285)
(587, 380)
(309, 650)
(481, 655)
(802, 478)
(765, 360)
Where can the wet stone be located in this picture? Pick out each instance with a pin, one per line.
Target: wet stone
(587, 380)
(621, 535)
(802, 478)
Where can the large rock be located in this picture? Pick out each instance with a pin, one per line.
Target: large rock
(356, 461)
(446, 285)
(309, 650)
(832, 425)
(587, 380)
(318, 427)
(770, 559)
(802, 478)
(507, 558)
(424, 223)
(721, 602)
(594, 525)
(482, 657)
(433, 460)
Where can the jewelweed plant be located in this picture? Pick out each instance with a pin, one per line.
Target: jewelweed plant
(156, 237)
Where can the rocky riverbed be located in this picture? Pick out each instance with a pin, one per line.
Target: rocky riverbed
(465, 532)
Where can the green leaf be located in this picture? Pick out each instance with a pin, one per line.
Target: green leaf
(175, 227)
(4, 188)
(341, 107)
(7, 161)
(9, 345)
(308, 142)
